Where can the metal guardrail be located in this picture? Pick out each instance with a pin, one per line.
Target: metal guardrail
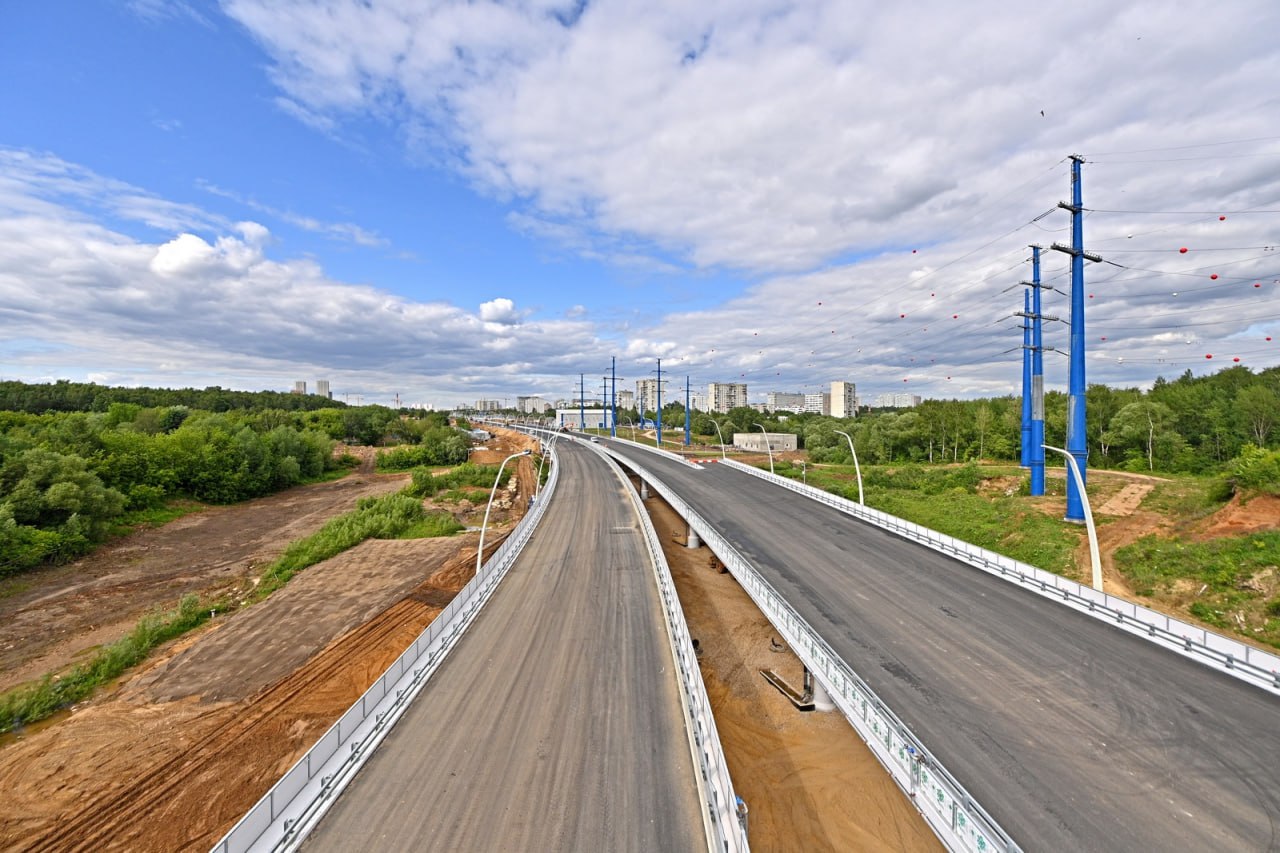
(294, 805)
(725, 831)
(956, 818)
(667, 454)
(1233, 657)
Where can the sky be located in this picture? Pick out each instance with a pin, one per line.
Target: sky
(454, 201)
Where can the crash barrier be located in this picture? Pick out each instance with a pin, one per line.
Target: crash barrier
(725, 830)
(294, 805)
(955, 817)
(1233, 657)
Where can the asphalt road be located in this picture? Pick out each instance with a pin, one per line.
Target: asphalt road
(555, 723)
(1072, 734)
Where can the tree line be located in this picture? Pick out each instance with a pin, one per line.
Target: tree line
(66, 476)
(1192, 424)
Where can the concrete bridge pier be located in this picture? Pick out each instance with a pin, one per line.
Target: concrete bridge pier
(691, 539)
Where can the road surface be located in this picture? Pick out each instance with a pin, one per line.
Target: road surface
(1072, 734)
(555, 723)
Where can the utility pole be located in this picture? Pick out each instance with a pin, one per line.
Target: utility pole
(1077, 444)
(613, 420)
(582, 402)
(1026, 378)
(1037, 379)
(658, 419)
(687, 437)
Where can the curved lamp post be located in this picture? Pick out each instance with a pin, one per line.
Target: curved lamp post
(719, 433)
(1088, 515)
(856, 469)
(488, 506)
(767, 445)
(631, 424)
(546, 449)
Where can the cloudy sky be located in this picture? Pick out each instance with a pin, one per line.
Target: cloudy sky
(454, 201)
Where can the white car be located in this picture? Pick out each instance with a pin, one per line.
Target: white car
(596, 439)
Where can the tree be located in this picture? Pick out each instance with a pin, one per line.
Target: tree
(1140, 423)
(1258, 409)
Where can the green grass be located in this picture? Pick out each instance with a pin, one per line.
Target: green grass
(157, 516)
(946, 499)
(427, 484)
(433, 525)
(1187, 497)
(385, 517)
(51, 694)
(1224, 565)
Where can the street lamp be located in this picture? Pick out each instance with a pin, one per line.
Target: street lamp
(767, 445)
(546, 450)
(1088, 515)
(632, 424)
(857, 470)
(719, 433)
(488, 506)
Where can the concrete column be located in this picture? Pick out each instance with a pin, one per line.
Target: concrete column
(821, 699)
(691, 539)
(644, 491)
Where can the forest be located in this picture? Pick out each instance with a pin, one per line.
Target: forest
(69, 475)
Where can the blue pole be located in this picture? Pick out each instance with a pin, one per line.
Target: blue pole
(687, 437)
(582, 402)
(1037, 380)
(1026, 378)
(613, 396)
(1076, 444)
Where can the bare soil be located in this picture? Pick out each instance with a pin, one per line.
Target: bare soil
(809, 781)
(189, 741)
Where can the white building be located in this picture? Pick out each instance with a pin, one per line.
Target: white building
(844, 399)
(784, 401)
(576, 418)
(818, 404)
(723, 396)
(488, 405)
(532, 405)
(626, 399)
(322, 388)
(755, 441)
(647, 395)
(897, 401)
(300, 387)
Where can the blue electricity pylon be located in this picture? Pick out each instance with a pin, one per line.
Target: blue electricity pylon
(1077, 444)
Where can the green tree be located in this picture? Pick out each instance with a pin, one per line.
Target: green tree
(1258, 410)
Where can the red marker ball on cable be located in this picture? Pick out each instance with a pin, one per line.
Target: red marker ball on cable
(1213, 277)
(1237, 358)
(1183, 250)
(1223, 219)
(1208, 355)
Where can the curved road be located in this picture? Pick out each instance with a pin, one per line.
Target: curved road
(1072, 734)
(555, 723)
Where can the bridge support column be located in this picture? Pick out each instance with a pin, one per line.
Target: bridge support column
(691, 539)
(813, 687)
(644, 491)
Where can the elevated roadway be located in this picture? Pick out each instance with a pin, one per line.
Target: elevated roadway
(1072, 734)
(556, 723)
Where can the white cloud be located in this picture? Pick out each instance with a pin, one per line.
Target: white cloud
(77, 298)
(346, 232)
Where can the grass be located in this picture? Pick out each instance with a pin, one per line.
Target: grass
(386, 517)
(947, 499)
(51, 694)
(1232, 581)
(158, 516)
(426, 484)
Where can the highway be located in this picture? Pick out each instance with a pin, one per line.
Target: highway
(555, 724)
(1072, 734)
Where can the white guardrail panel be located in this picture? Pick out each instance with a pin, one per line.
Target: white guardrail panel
(956, 818)
(294, 805)
(1233, 657)
(725, 831)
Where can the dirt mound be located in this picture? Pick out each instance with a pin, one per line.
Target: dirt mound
(65, 611)
(1242, 516)
(177, 774)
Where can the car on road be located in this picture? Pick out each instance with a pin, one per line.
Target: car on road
(596, 439)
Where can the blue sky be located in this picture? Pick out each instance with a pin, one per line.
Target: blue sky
(458, 201)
